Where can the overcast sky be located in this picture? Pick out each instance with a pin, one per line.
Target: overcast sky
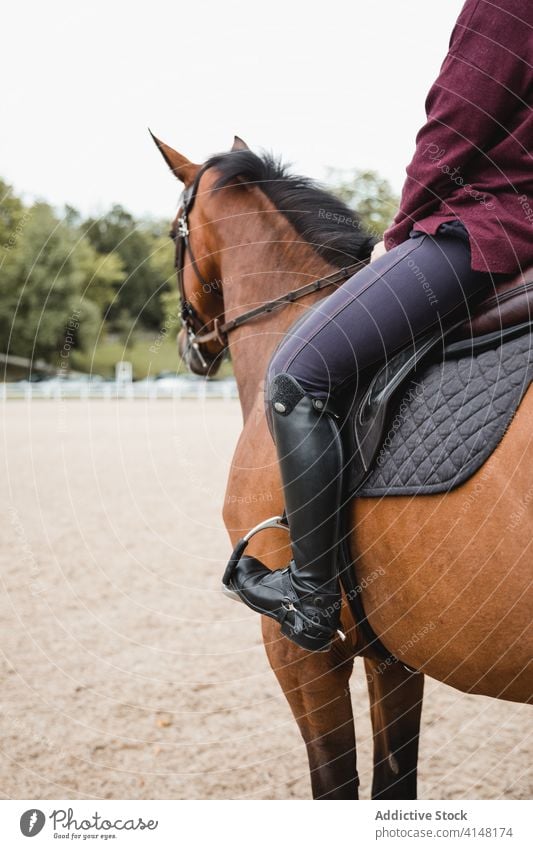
(324, 84)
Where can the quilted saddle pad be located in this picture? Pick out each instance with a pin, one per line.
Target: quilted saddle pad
(449, 418)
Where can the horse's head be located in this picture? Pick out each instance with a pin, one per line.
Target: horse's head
(244, 219)
(200, 343)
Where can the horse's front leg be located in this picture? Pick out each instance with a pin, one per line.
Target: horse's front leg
(316, 686)
(396, 706)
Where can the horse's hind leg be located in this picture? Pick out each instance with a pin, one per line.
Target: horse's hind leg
(396, 707)
(316, 686)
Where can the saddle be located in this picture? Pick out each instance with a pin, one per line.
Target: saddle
(432, 415)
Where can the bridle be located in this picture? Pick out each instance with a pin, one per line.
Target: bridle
(191, 320)
(189, 317)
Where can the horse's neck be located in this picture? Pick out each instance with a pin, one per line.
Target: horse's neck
(264, 267)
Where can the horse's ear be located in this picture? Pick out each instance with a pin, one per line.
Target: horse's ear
(239, 144)
(181, 167)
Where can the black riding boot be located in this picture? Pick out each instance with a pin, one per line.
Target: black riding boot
(305, 596)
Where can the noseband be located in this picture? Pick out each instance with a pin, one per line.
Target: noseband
(190, 318)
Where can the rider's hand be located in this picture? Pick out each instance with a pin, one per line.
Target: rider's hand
(378, 251)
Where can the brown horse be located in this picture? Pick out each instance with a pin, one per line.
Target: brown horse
(445, 578)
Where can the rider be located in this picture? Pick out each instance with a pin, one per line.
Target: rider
(460, 224)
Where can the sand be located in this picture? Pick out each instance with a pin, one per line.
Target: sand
(125, 673)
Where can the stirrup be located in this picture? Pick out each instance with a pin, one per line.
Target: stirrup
(238, 551)
(274, 522)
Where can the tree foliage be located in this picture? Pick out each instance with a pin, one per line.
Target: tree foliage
(368, 194)
(146, 263)
(49, 274)
(62, 277)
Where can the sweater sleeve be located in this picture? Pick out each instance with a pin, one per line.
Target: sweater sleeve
(468, 108)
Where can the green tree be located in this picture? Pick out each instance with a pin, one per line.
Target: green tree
(12, 215)
(146, 264)
(366, 193)
(46, 278)
(65, 280)
(103, 274)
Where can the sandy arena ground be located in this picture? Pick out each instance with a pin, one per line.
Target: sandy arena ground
(125, 673)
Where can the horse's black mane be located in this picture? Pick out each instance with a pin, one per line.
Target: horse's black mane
(333, 230)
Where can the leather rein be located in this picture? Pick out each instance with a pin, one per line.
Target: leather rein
(190, 318)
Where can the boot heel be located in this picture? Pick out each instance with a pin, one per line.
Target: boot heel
(302, 640)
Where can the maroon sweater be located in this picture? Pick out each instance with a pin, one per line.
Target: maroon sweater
(473, 159)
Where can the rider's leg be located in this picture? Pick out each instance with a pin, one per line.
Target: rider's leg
(379, 310)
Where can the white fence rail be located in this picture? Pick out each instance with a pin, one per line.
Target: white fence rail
(177, 388)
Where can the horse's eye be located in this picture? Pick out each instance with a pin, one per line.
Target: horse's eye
(172, 235)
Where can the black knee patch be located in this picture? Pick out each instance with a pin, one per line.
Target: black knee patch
(285, 392)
